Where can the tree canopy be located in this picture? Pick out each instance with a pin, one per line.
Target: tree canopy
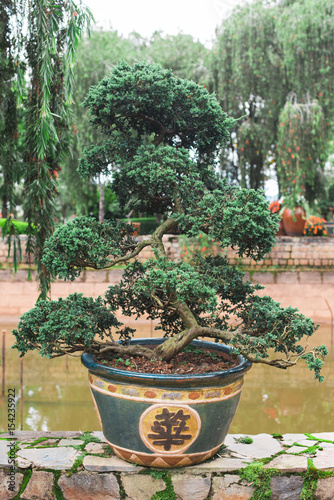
(265, 53)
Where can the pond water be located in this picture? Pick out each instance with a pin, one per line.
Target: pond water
(56, 395)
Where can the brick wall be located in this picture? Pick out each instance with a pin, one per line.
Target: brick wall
(288, 253)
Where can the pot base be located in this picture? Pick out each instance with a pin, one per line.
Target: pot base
(163, 461)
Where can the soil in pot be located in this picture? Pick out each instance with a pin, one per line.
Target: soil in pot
(190, 361)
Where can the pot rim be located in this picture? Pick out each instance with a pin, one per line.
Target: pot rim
(159, 378)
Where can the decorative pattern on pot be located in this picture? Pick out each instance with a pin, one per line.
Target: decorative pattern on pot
(165, 420)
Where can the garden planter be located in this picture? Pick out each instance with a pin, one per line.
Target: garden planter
(165, 420)
(294, 221)
(281, 230)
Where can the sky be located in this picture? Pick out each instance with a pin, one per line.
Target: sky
(198, 18)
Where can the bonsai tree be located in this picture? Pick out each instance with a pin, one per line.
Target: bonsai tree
(163, 134)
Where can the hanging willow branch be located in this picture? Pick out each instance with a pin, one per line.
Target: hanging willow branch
(48, 45)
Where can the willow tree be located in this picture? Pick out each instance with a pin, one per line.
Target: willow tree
(301, 148)
(9, 167)
(43, 48)
(264, 52)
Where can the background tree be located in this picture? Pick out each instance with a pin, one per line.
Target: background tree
(45, 49)
(264, 52)
(9, 161)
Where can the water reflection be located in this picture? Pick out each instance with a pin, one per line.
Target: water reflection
(56, 394)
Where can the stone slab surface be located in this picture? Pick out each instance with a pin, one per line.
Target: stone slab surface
(286, 488)
(87, 486)
(289, 438)
(40, 486)
(288, 463)
(5, 493)
(325, 489)
(227, 488)
(70, 442)
(328, 436)
(50, 458)
(99, 435)
(96, 448)
(140, 487)
(188, 487)
(31, 436)
(108, 464)
(263, 446)
(222, 464)
(324, 458)
(4, 449)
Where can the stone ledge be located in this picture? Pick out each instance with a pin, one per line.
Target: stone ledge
(81, 465)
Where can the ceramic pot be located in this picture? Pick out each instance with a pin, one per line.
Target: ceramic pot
(165, 420)
(281, 230)
(294, 221)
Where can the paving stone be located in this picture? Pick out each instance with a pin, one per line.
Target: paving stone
(324, 458)
(263, 446)
(46, 443)
(99, 435)
(140, 487)
(325, 489)
(297, 449)
(306, 442)
(329, 436)
(223, 464)
(286, 488)
(4, 449)
(25, 436)
(97, 448)
(70, 442)
(5, 493)
(288, 463)
(189, 487)
(40, 486)
(50, 458)
(289, 439)
(227, 488)
(89, 486)
(108, 464)
(22, 463)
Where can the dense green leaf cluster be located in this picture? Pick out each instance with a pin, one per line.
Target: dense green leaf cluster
(185, 114)
(64, 326)
(232, 216)
(84, 242)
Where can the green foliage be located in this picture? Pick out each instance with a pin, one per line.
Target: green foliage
(300, 149)
(162, 134)
(168, 493)
(84, 242)
(37, 131)
(244, 440)
(259, 477)
(52, 326)
(231, 216)
(180, 112)
(264, 53)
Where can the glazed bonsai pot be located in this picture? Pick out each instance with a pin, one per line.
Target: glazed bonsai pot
(165, 420)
